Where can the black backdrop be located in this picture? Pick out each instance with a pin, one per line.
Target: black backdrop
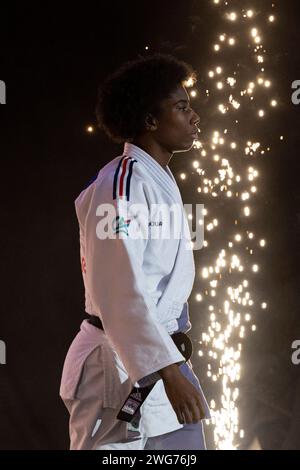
(52, 59)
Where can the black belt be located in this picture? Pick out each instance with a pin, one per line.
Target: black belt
(182, 341)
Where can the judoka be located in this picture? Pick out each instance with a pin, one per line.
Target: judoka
(137, 280)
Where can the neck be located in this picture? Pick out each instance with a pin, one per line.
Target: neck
(153, 148)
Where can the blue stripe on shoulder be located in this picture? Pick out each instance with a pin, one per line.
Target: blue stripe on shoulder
(129, 179)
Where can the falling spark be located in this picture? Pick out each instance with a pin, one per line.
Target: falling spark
(226, 170)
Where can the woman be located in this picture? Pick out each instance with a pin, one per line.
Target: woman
(127, 380)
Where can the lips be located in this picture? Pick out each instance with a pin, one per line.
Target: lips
(195, 134)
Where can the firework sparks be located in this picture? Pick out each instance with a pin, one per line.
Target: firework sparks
(226, 168)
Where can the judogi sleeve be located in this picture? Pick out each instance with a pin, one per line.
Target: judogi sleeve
(115, 279)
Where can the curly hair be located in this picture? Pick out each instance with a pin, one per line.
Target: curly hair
(136, 89)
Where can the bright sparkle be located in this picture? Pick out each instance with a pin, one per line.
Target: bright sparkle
(227, 170)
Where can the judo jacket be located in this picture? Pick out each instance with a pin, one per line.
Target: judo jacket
(138, 272)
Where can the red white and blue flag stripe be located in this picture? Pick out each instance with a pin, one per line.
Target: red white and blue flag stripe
(122, 178)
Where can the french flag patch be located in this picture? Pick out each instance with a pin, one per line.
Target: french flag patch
(122, 178)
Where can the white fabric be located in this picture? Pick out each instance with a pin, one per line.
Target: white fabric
(139, 288)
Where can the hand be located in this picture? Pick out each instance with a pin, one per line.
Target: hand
(184, 397)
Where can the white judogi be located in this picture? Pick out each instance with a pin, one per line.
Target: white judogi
(139, 287)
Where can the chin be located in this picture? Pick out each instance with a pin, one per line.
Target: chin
(188, 147)
(184, 147)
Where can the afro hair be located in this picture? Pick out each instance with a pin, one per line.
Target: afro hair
(135, 90)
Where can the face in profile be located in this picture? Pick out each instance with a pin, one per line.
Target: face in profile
(177, 123)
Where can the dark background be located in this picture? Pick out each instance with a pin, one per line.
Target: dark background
(52, 59)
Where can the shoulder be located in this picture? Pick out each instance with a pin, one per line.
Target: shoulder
(121, 179)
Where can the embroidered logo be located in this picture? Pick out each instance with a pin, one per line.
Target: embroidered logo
(120, 225)
(137, 395)
(155, 224)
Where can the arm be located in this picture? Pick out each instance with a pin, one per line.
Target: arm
(116, 284)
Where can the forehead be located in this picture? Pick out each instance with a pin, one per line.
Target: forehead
(178, 94)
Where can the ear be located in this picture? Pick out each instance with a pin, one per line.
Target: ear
(151, 123)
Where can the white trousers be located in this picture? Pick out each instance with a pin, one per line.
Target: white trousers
(94, 386)
(190, 437)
